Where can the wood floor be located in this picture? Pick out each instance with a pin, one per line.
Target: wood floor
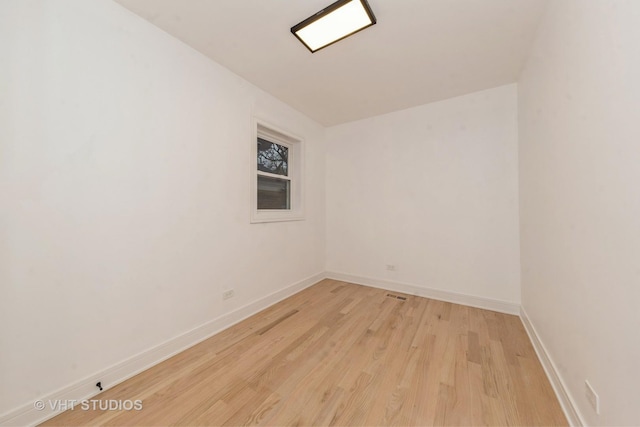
(344, 354)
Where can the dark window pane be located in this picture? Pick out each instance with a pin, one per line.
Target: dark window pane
(273, 193)
(272, 157)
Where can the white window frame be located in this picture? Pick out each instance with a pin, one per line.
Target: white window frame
(295, 175)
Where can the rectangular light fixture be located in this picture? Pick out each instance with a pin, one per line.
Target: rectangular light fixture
(333, 23)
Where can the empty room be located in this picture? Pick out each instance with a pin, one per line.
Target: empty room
(353, 213)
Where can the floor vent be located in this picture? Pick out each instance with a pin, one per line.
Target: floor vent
(397, 297)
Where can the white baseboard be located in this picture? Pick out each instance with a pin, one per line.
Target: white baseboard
(470, 300)
(564, 397)
(111, 376)
(85, 388)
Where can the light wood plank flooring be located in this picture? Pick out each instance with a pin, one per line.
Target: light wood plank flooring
(343, 354)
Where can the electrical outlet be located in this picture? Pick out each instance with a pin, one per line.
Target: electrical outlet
(391, 267)
(592, 397)
(228, 294)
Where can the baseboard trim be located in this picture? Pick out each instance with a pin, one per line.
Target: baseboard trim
(469, 300)
(111, 376)
(564, 397)
(114, 375)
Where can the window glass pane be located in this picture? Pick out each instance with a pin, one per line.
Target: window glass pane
(273, 193)
(272, 157)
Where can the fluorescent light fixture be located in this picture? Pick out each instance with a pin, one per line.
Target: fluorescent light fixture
(333, 23)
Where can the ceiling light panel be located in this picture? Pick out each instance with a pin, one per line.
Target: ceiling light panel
(335, 22)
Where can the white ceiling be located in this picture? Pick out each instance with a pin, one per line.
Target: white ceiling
(420, 51)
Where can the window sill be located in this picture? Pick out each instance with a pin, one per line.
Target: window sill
(275, 216)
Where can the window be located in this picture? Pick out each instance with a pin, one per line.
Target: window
(274, 183)
(276, 175)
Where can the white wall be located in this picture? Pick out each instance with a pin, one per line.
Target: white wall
(124, 195)
(124, 191)
(432, 190)
(579, 105)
